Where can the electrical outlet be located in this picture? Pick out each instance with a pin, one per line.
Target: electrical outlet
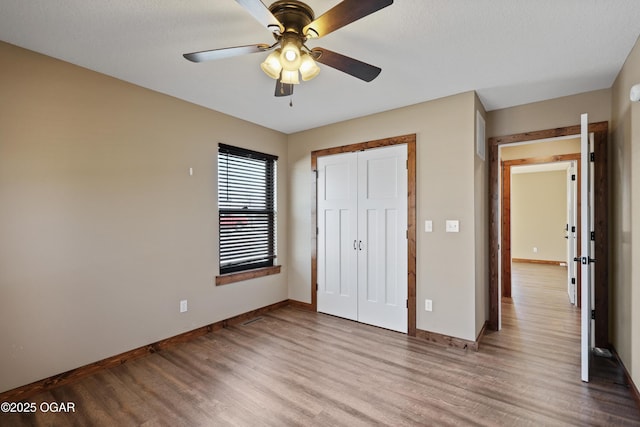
(183, 306)
(428, 305)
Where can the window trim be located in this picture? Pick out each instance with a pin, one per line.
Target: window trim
(254, 273)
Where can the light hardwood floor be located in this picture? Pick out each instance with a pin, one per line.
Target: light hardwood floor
(292, 367)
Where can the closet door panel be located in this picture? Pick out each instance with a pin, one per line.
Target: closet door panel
(337, 234)
(382, 227)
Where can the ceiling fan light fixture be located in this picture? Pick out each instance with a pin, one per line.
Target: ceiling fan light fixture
(293, 22)
(308, 67)
(290, 77)
(271, 66)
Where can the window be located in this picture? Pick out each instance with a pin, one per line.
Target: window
(247, 215)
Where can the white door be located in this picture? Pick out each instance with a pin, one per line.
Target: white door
(572, 211)
(382, 237)
(585, 256)
(337, 235)
(362, 236)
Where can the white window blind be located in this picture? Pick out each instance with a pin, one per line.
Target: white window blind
(246, 203)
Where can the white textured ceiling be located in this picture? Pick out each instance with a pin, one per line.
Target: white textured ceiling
(510, 51)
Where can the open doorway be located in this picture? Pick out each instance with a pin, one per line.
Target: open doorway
(539, 208)
(539, 240)
(600, 232)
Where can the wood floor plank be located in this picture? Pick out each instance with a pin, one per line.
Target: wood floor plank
(295, 367)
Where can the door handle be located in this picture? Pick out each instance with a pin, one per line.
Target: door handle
(355, 243)
(360, 244)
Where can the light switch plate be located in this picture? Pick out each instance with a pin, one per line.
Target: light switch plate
(453, 226)
(428, 226)
(428, 305)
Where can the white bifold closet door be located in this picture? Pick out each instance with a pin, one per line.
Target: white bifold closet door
(362, 236)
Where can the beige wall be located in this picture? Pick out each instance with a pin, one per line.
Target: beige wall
(540, 149)
(446, 270)
(550, 114)
(102, 229)
(625, 217)
(539, 215)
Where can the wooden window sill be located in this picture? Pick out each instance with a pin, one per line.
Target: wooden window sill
(225, 279)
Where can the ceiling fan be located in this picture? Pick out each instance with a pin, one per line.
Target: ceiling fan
(293, 23)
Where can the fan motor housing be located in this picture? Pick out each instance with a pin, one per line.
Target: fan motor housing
(293, 15)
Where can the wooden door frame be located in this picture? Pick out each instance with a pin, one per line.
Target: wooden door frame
(601, 306)
(506, 208)
(410, 141)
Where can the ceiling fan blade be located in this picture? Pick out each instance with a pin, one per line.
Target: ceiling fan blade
(227, 52)
(348, 65)
(283, 89)
(262, 14)
(342, 14)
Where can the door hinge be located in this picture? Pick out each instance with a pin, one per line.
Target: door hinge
(573, 280)
(407, 234)
(407, 301)
(406, 165)
(593, 236)
(316, 286)
(317, 231)
(593, 315)
(592, 156)
(573, 177)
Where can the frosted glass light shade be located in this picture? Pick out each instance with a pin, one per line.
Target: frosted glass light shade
(290, 55)
(290, 77)
(271, 66)
(308, 67)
